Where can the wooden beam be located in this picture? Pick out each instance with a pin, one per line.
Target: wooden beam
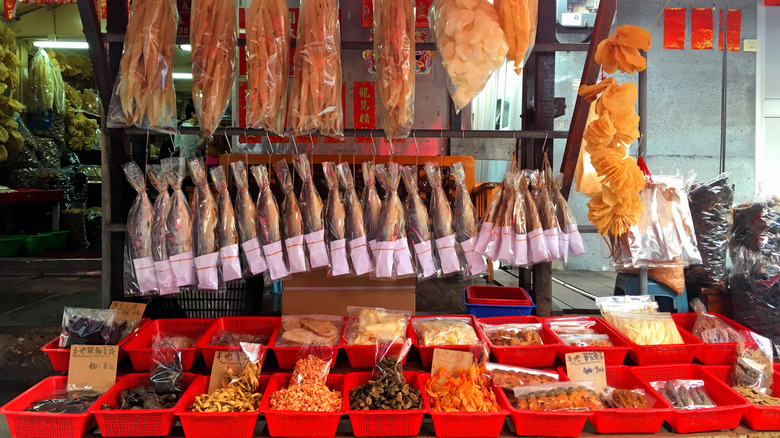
(590, 75)
(97, 50)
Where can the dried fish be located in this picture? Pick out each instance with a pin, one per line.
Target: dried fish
(372, 204)
(245, 219)
(269, 224)
(179, 225)
(335, 220)
(441, 215)
(392, 248)
(419, 228)
(489, 220)
(226, 229)
(162, 207)
(504, 224)
(355, 228)
(292, 220)
(311, 208)
(546, 214)
(569, 237)
(139, 263)
(205, 228)
(537, 249)
(519, 218)
(466, 222)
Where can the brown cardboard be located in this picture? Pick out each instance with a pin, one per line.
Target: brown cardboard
(92, 367)
(315, 292)
(451, 360)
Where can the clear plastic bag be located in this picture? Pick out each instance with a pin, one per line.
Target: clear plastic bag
(246, 215)
(485, 239)
(569, 238)
(519, 226)
(311, 209)
(466, 223)
(537, 245)
(139, 275)
(356, 230)
(648, 328)
(619, 398)
(518, 19)
(550, 229)
(513, 335)
(292, 219)
(166, 373)
(419, 229)
(143, 92)
(313, 365)
(387, 363)
(684, 394)
(229, 261)
(447, 247)
(586, 340)
(87, 327)
(372, 206)
(213, 38)
(394, 41)
(268, 63)
(269, 223)
(335, 220)
(46, 89)
(204, 232)
(507, 376)
(573, 326)
(471, 43)
(365, 325)
(710, 204)
(179, 225)
(558, 396)
(710, 328)
(299, 330)
(392, 257)
(753, 368)
(502, 240)
(162, 207)
(436, 331)
(388, 388)
(315, 104)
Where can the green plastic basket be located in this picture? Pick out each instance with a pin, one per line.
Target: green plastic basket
(34, 244)
(56, 239)
(9, 245)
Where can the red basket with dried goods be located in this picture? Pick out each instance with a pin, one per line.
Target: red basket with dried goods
(364, 325)
(184, 333)
(764, 410)
(323, 401)
(718, 334)
(228, 332)
(452, 332)
(298, 330)
(588, 334)
(534, 344)
(391, 421)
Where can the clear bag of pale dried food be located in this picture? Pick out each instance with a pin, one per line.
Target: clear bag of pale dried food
(246, 215)
(269, 224)
(753, 368)
(335, 223)
(162, 207)
(419, 229)
(292, 219)
(299, 330)
(355, 228)
(311, 210)
(204, 232)
(229, 261)
(447, 247)
(139, 275)
(465, 216)
(179, 225)
(365, 325)
(389, 176)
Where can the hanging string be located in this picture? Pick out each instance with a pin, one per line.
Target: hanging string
(659, 16)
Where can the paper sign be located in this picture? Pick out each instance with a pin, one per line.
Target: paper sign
(587, 365)
(128, 311)
(92, 367)
(223, 360)
(453, 360)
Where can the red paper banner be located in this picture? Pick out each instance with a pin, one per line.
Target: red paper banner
(8, 8)
(364, 108)
(701, 28)
(420, 20)
(771, 2)
(674, 28)
(734, 30)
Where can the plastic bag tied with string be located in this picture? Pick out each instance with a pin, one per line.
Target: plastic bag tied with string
(179, 225)
(393, 256)
(292, 219)
(441, 217)
(311, 209)
(139, 274)
(335, 222)
(269, 225)
(205, 223)
(226, 228)
(466, 222)
(162, 207)
(355, 228)
(419, 229)
(246, 215)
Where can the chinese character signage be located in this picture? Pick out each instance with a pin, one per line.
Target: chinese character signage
(364, 108)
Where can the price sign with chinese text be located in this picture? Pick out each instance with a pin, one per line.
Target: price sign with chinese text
(92, 366)
(587, 365)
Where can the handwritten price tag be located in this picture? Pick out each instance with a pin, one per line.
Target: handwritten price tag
(587, 365)
(128, 311)
(92, 366)
(453, 360)
(234, 360)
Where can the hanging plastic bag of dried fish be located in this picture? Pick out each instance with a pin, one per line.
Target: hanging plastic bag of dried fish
(179, 225)
(254, 259)
(418, 226)
(139, 276)
(356, 231)
(546, 208)
(441, 216)
(569, 238)
(311, 209)
(269, 225)
(372, 207)
(227, 234)
(394, 258)
(143, 95)
(205, 222)
(162, 207)
(335, 223)
(292, 220)
(466, 223)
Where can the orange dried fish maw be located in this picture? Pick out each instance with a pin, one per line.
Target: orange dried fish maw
(629, 35)
(627, 126)
(621, 50)
(617, 99)
(591, 92)
(518, 19)
(613, 215)
(600, 134)
(621, 172)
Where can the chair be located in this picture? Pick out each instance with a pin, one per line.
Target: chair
(627, 284)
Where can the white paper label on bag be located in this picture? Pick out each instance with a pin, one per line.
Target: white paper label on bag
(424, 253)
(484, 237)
(318, 253)
(338, 258)
(372, 247)
(231, 264)
(358, 252)
(563, 246)
(208, 276)
(255, 258)
(384, 261)
(476, 262)
(402, 258)
(275, 259)
(551, 241)
(575, 241)
(448, 256)
(537, 251)
(144, 274)
(183, 266)
(521, 249)
(296, 255)
(506, 245)
(165, 279)
(494, 244)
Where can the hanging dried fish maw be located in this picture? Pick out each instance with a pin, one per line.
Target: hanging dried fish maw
(506, 233)
(139, 263)
(355, 228)
(213, 39)
(441, 215)
(179, 225)
(372, 204)
(268, 63)
(569, 233)
(226, 228)
(205, 228)
(520, 224)
(518, 21)
(162, 207)
(546, 214)
(292, 220)
(466, 222)
(419, 228)
(395, 63)
(311, 208)
(315, 104)
(143, 95)
(269, 224)
(335, 218)
(537, 249)
(245, 220)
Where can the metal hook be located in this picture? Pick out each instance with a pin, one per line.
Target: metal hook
(295, 144)
(229, 143)
(270, 147)
(544, 144)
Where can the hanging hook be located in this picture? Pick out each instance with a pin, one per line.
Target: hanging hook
(544, 144)
(416, 150)
(295, 144)
(373, 146)
(270, 147)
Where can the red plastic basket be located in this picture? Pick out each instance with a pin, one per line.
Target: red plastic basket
(613, 356)
(426, 353)
(498, 295)
(43, 424)
(527, 356)
(536, 423)
(464, 424)
(379, 422)
(364, 356)
(139, 348)
(215, 424)
(729, 405)
(711, 354)
(286, 356)
(250, 325)
(60, 357)
(298, 423)
(661, 354)
(756, 417)
(128, 422)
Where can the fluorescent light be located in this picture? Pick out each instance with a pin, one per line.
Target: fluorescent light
(186, 47)
(61, 44)
(182, 75)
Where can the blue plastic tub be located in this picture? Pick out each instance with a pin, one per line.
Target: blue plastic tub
(484, 310)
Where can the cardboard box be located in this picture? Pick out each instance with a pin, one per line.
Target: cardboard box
(315, 292)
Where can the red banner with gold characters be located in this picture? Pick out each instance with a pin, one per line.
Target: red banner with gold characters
(364, 108)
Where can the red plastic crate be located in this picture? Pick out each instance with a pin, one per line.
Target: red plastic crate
(756, 417)
(613, 356)
(139, 348)
(726, 415)
(60, 357)
(380, 422)
(662, 354)
(215, 424)
(426, 353)
(711, 354)
(364, 356)
(298, 423)
(43, 424)
(498, 295)
(464, 424)
(525, 356)
(250, 325)
(536, 423)
(286, 356)
(128, 422)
